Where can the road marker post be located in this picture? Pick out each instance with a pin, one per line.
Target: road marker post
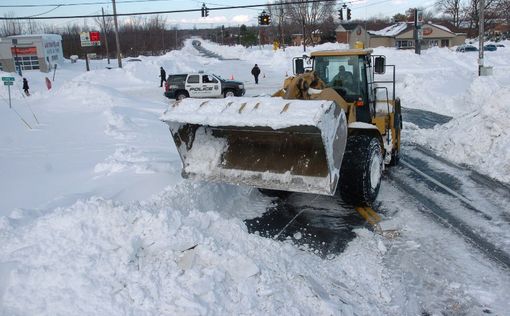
(8, 81)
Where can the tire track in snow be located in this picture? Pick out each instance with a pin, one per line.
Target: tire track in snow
(434, 208)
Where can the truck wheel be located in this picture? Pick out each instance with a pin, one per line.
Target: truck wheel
(181, 95)
(360, 174)
(229, 93)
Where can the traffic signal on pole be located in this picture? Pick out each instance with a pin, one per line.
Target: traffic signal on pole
(348, 14)
(264, 18)
(205, 11)
(341, 14)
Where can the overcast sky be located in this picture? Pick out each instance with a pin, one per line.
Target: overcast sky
(361, 9)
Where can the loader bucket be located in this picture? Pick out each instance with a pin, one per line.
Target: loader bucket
(271, 143)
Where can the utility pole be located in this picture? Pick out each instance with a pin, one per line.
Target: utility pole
(418, 21)
(304, 37)
(17, 64)
(282, 37)
(105, 38)
(117, 42)
(481, 32)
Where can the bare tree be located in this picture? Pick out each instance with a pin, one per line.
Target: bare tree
(453, 8)
(11, 27)
(309, 14)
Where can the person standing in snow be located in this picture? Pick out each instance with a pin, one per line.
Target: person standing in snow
(255, 71)
(25, 86)
(162, 75)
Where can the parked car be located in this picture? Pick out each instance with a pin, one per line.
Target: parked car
(466, 48)
(500, 45)
(201, 85)
(490, 47)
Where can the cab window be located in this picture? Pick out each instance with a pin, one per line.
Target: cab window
(342, 73)
(208, 79)
(193, 79)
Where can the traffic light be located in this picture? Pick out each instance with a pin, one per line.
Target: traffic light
(348, 14)
(264, 18)
(341, 14)
(205, 11)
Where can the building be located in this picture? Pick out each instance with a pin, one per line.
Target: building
(297, 39)
(30, 52)
(399, 35)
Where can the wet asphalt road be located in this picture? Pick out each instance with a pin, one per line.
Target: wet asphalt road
(323, 224)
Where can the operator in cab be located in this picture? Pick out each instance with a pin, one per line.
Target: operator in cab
(343, 78)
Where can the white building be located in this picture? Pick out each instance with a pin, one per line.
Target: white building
(30, 52)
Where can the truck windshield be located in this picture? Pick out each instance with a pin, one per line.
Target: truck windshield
(345, 74)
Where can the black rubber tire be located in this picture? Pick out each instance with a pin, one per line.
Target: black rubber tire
(181, 95)
(228, 91)
(356, 177)
(275, 193)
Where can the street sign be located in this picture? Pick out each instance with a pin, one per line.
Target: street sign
(90, 39)
(7, 79)
(94, 36)
(8, 83)
(89, 43)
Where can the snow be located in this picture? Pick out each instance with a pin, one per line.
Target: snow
(391, 30)
(276, 113)
(96, 219)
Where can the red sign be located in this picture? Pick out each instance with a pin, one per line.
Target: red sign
(427, 30)
(24, 51)
(94, 36)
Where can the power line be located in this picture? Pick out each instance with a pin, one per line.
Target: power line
(165, 12)
(72, 4)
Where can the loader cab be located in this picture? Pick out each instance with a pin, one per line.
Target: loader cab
(349, 74)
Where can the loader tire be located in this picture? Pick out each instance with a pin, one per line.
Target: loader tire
(360, 174)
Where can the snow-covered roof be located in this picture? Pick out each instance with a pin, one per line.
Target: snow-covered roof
(442, 27)
(391, 30)
(36, 36)
(397, 28)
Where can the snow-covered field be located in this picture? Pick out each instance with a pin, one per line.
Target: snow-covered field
(96, 220)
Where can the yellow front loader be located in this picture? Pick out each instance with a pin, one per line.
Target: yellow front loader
(332, 128)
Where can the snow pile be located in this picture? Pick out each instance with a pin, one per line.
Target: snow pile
(480, 138)
(158, 257)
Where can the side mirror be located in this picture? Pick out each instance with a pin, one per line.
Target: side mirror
(299, 66)
(380, 65)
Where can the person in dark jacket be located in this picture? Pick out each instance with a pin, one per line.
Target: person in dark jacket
(25, 86)
(255, 71)
(162, 75)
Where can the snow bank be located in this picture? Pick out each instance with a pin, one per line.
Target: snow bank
(156, 257)
(481, 138)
